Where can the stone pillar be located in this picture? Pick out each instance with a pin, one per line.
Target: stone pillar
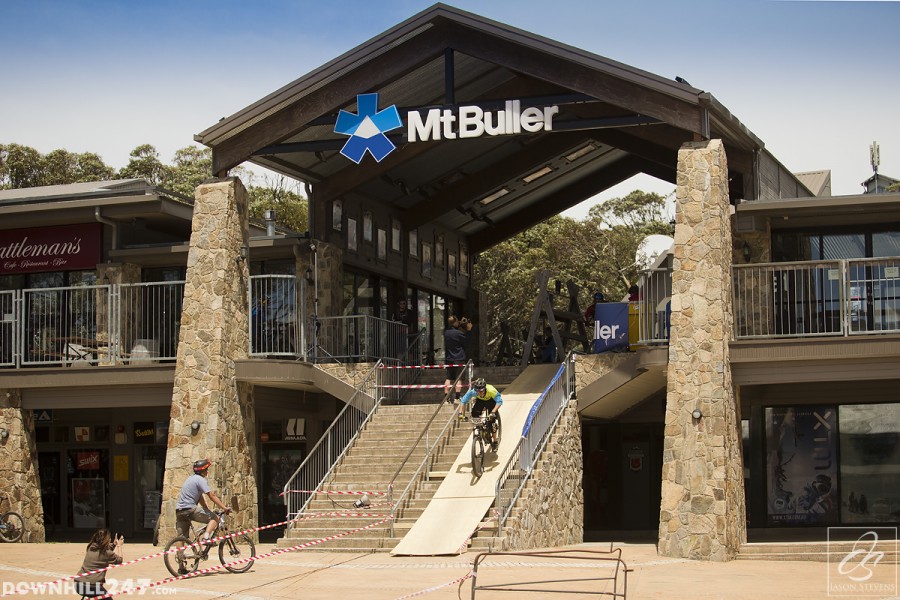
(19, 482)
(326, 266)
(702, 510)
(213, 334)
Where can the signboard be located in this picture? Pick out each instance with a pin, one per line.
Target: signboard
(41, 249)
(295, 430)
(43, 416)
(802, 464)
(82, 434)
(144, 432)
(610, 326)
(120, 467)
(87, 461)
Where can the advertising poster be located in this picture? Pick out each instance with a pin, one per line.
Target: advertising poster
(279, 466)
(801, 465)
(870, 463)
(88, 502)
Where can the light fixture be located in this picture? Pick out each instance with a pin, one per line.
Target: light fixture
(195, 427)
(242, 254)
(746, 251)
(362, 502)
(4, 433)
(498, 194)
(579, 153)
(696, 414)
(537, 174)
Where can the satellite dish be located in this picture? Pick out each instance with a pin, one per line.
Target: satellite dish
(651, 248)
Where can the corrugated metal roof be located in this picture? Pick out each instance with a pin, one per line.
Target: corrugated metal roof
(75, 189)
(818, 182)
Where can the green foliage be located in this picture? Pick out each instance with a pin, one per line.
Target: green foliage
(24, 167)
(597, 254)
(145, 164)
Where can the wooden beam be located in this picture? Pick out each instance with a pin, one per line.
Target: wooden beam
(286, 122)
(566, 198)
(580, 78)
(480, 184)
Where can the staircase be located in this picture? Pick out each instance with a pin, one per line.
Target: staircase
(814, 551)
(372, 461)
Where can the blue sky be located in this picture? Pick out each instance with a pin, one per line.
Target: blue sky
(816, 81)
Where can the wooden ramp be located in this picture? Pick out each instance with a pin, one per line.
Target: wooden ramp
(462, 500)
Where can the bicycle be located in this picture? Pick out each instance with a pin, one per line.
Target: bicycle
(12, 525)
(481, 437)
(183, 562)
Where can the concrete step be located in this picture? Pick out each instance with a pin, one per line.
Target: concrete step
(814, 551)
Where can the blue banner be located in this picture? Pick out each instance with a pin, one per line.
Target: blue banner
(610, 326)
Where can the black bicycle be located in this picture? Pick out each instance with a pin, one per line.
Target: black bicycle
(481, 439)
(187, 559)
(12, 526)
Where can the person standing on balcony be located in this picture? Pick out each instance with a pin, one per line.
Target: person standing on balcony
(455, 336)
(408, 318)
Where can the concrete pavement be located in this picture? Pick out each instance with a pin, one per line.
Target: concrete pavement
(317, 575)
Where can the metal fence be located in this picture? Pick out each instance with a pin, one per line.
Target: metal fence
(148, 320)
(816, 298)
(357, 338)
(541, 421)
(275, 316)
(654, 306)
(8, 330)
(333, 445)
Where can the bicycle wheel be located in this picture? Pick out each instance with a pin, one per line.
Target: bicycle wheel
(182, 562)
(477, 454)
(11, 527)
(499, 433)
(238, 548)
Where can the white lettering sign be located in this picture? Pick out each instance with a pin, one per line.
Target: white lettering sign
(473, 121)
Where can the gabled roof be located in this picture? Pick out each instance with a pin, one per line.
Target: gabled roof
(818, 182)
(614, 121)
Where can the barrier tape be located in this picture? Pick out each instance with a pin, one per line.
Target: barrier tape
(418, 366)
(242, 561)
(437, 587)
(413, 386)
(335, 493)
(213, 542)
(464, 545)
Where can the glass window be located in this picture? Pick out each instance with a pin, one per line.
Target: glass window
(870, 463)
(886, 243)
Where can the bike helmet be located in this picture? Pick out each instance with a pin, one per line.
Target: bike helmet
(202, 465)
(479, 384)
(598, 297)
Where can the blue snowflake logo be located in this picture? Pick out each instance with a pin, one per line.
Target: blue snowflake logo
(367, 129)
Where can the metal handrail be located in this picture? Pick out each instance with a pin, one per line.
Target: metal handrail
(331, 447)
(542, 420)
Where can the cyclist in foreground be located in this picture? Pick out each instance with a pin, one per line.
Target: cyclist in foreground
(192, 494)
(486, 398)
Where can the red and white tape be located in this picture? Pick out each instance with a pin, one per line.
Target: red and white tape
(243, 560)
(334, 493)
(413, 386)
(419, 366)
(437, 587)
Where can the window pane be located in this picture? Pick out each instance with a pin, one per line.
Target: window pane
(870, 463)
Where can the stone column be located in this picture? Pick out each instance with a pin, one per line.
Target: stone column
(19, 482)
(213, 334)
(702, 510)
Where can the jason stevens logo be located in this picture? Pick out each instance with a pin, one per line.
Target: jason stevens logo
(368, 127)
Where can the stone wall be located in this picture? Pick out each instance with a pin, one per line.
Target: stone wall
(213, 335)
(702, 509)
(550, 511)
(19, 484)
(591, 367)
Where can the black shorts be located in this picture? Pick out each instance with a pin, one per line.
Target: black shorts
(453, 373)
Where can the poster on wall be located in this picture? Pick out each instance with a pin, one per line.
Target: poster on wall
(88, 502)
(870, 463)
(801, 465)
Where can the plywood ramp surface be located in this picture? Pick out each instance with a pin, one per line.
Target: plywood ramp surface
(462, 500)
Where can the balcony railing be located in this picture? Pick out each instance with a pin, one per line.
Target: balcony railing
(139, 322)
(817, 298)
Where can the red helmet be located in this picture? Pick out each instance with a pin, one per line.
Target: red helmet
(202, 465)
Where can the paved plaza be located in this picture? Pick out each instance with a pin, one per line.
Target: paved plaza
(331, 575)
